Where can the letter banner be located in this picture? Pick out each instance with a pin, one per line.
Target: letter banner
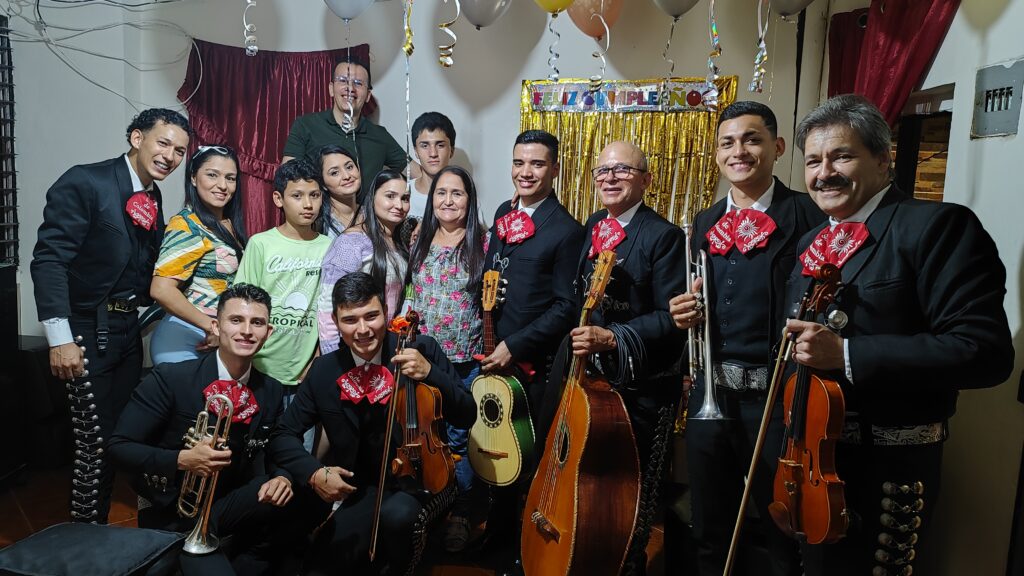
(665, 95)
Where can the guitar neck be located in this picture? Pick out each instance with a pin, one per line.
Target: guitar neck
(488, 333)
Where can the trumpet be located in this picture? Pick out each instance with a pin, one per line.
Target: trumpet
(698, 337)
(196, 496)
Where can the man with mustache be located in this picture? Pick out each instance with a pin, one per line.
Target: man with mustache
(251, 492)
(91, 268)
(750, 236)
(919, 317)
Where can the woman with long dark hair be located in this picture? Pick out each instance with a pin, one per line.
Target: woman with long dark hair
(445, 272)
(342, 181)
(373, 246)
(199, 256)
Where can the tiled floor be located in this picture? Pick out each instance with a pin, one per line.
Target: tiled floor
(37, 498)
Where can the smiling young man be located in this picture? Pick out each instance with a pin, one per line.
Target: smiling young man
(348, 391)
(750, 237)
(91, 267)
(147, 441)
(343, 123)
(922, 318)
(631, 332)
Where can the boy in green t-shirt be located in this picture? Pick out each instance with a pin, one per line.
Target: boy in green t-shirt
(285, 261)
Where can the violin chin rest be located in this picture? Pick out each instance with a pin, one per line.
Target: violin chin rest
(782, 518)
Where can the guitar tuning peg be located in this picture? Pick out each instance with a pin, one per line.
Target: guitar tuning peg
(501, 300)
(503, 281)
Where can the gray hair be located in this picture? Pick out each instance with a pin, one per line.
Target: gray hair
(854, 111)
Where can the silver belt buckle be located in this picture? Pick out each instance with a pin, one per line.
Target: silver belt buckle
(916, 435)
(739, 378)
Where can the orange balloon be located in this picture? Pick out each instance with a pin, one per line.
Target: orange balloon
(583, 13)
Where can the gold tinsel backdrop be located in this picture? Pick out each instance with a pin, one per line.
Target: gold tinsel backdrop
(664, 117)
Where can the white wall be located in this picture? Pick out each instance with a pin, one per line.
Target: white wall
(59, 112)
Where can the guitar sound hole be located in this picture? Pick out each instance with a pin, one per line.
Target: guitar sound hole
(563, 443)
(491, 411)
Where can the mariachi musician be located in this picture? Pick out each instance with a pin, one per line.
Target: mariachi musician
(919, 316)
(638, 347)
(533, 245)
(749, 235)
(347, 392)
(250, 491)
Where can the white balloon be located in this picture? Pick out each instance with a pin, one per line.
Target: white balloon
(348, 9)
(482, 13)
(789, 7)
(675, 8)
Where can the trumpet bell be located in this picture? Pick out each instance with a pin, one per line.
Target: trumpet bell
(194, 544)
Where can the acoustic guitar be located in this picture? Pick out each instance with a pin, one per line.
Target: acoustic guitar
(501, 441)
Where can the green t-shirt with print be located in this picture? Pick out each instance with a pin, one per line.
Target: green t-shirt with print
(289, 270)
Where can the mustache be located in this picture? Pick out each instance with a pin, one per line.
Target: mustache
(837, 181)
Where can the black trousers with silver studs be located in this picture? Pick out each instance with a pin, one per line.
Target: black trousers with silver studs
(891, 492)
(95, 402)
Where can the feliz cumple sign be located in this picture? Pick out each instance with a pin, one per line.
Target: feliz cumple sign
(578, 95)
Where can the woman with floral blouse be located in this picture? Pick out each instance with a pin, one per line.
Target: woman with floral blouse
(445, 271)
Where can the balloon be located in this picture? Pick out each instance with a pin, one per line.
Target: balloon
(481, 13)
(553, 6)
(348, 9)
(582, 14)
(790, 7)
(675, 8)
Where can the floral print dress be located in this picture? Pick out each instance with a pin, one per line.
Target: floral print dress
(449, 313)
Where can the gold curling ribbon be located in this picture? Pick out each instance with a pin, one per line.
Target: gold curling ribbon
(680, 148)
(407, 47)
(445, 51)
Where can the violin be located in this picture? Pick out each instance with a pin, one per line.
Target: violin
(422, 455)
(809, 501)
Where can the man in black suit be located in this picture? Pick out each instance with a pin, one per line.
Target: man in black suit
(147, 441)
(638, 346)
(919, 317)
(749, 236)
(91, 268)
(539, 266)
(348, 392)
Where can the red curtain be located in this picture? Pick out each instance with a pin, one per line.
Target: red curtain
(249, 103)
(845, 38)
(900, 41)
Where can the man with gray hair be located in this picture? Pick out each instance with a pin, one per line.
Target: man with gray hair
(919, 316)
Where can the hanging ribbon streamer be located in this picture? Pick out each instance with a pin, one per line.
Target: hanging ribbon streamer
(249, 31)
(597, 80)
(711, 90)
(348, 123)
(553, 58)
(407, 47)
(664, 55)
(446, 50)
(764, 8)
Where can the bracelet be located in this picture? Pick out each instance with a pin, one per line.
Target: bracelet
(326, 472)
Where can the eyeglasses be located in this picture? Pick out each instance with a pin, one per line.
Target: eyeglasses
(619, 170)
(353, 81)
(217, 149)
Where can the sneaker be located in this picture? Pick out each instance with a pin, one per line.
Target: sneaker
(456, 534)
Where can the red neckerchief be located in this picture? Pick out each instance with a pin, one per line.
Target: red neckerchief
(834, 245)
(142, 209)
(515, 227)
(371, 381)
(745, 229)
(606, 235)
(242, 399)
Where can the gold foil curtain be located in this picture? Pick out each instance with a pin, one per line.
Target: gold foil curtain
(679, 140)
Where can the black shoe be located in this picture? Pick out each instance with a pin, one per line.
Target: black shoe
(514, 568)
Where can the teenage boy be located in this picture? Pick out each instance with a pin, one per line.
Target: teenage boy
(285, 261)
(434, 140)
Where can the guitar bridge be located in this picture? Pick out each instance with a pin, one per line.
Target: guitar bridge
(544, 525)
(492, 453)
